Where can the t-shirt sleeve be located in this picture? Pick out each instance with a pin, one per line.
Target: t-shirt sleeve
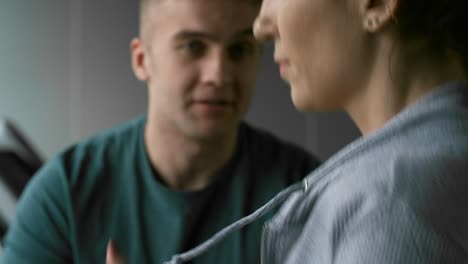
(40, 231)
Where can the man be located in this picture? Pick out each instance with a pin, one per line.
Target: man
(163, 183)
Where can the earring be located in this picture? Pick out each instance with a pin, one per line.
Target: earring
(392, 15)
(372, 23)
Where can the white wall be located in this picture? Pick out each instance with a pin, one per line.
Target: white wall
(34, 69)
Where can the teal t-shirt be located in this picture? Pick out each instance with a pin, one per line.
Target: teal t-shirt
(105, 188)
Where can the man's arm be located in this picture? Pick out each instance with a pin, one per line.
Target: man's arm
(40, 232)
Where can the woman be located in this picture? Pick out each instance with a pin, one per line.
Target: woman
(399, 194)
(399, 69)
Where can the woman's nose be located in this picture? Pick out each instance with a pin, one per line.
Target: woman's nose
(264, 27)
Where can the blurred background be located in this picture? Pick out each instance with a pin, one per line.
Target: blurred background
(65, 74)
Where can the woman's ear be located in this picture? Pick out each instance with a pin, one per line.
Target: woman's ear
(377, 14)
(139, 57)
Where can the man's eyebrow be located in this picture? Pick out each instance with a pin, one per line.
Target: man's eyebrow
(248, 32)
(188, 34)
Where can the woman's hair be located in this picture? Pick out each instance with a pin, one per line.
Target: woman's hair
(440, 24)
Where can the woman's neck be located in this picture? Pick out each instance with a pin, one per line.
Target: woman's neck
(391, 89)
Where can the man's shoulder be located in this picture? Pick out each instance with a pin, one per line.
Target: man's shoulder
(264, 143)
(110, 139)
(274, 156)
(82, 182)
(96, 154)
(122, 133)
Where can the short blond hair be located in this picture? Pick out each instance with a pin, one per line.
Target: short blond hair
(145, 4)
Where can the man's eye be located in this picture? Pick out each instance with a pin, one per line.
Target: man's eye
(194, 47)
(241, 50)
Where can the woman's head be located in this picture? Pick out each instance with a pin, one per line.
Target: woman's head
(331, 50)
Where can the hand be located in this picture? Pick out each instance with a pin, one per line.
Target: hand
(112, 254)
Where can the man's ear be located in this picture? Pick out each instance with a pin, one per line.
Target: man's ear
(377, 14)
(139, 57)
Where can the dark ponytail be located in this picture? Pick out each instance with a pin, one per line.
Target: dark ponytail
(442, 24)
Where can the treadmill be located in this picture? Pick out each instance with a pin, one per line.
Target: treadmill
(18, 163)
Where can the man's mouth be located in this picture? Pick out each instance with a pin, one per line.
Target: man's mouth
(213, 102)
(212, 105)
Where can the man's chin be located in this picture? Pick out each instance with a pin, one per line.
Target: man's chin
(213, 130)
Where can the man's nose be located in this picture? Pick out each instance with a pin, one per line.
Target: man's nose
(218, 69)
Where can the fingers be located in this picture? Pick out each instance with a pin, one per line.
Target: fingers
(112, 254)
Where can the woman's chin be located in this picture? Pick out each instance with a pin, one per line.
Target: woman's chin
(300, 102)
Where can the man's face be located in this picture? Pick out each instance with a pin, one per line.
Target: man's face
(199, 59)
